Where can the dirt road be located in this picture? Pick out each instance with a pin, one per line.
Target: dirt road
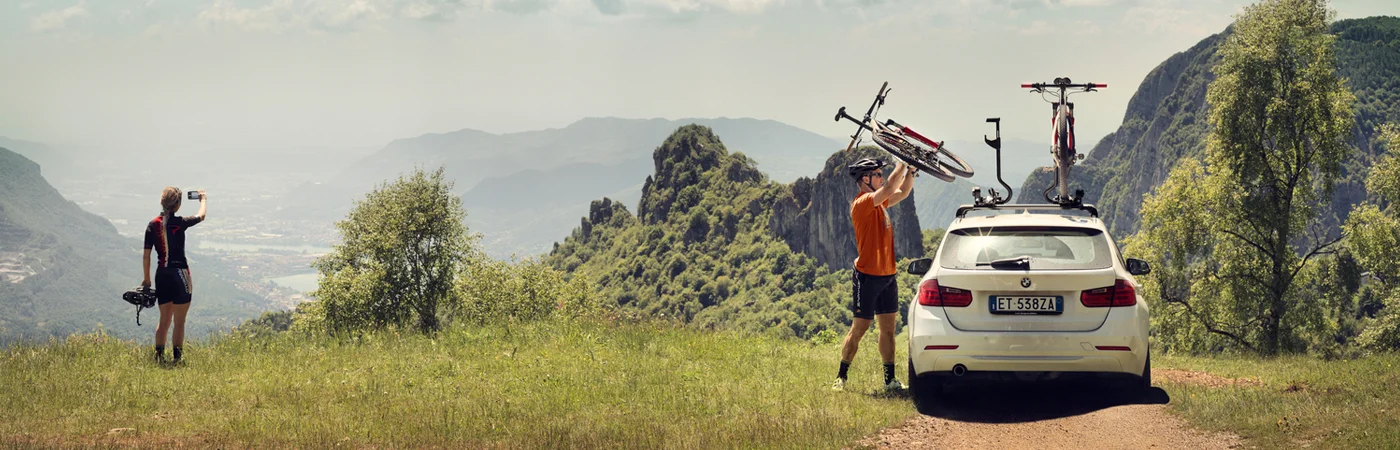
(1048, 416)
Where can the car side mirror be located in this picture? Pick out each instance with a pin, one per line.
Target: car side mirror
(920, 266)
(1138, 267)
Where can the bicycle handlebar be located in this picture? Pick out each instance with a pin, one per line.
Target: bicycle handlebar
(1062, 85)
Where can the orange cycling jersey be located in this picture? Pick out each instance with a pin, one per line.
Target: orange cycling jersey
(874, 236)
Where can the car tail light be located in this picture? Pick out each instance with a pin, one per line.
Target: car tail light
(940, 347)
(1114, 347)
(1120, 294)
(931, 294)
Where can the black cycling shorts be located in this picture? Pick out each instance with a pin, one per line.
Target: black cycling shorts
(872, 294)
(173, 285)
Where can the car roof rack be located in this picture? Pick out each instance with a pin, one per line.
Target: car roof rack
(1093, 212)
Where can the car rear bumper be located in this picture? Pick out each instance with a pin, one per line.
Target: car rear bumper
(998, 358)
(1098, 351)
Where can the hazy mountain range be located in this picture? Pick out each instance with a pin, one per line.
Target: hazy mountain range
(524, 191)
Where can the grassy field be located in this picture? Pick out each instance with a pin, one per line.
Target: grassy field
(582, 385)
(1300, 401)
(551, 384)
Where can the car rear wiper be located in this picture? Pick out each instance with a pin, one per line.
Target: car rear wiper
(1009, 263)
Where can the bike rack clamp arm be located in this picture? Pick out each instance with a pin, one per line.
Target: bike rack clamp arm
(996, 144)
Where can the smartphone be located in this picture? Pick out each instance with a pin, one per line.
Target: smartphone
(193, 195)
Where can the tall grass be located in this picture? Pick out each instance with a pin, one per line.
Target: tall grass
(1303, 401)
(552, 384)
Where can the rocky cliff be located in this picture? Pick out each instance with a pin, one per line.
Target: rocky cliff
(815, 218)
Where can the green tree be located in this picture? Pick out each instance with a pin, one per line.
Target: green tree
(1374, 234)
(1242, 228)
(1280, 118)
(1174, 239)
(402, 246)
(932, 239)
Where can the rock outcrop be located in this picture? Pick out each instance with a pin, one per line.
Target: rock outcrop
(816, 218)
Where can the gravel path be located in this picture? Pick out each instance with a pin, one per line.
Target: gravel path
(1050, 416)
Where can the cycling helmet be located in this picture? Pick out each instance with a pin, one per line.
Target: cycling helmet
(864, 166)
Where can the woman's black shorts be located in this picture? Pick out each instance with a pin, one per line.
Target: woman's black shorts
(173, 285)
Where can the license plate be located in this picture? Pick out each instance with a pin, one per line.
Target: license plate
(1020, 304)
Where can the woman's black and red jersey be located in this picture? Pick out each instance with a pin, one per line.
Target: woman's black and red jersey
(167, 237)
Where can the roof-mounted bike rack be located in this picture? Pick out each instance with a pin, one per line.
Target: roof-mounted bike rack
(996, 198)
(1094, 212)
(997, 203)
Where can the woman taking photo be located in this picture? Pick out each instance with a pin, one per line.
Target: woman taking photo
(174, 287)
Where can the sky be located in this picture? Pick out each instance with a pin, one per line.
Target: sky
(224, 75)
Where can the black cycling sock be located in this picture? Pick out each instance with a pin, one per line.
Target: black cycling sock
(844, 366)
(178, 353)
(889, 372)
(160, 351)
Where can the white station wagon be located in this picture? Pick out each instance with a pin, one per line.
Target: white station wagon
(1022, 296)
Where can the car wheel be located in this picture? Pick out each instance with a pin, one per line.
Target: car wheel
(926, 388)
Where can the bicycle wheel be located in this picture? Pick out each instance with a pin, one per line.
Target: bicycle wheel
(962, 169)
(1062, 158)
(908, 152)
(957, 167)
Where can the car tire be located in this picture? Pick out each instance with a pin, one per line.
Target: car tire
(927, 388)
(1147, 373)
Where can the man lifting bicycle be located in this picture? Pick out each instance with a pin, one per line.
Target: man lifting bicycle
(874, 291)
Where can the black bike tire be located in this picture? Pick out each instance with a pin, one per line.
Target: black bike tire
(893, 144)
(963, 169)
(1064, 160)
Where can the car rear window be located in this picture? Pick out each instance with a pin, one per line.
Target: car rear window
(1050, 248)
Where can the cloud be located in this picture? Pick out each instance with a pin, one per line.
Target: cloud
(1087, 28)
(1073, 3)
(846, 4)
(1167, 16)
(741, 33)
(521, 6)
(609, 7)
(274, 17)
(57, 19)
(1037, 27)
(685, 7)
(284, 15)
(948, 20)
(435, 10)
(1041, 27)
